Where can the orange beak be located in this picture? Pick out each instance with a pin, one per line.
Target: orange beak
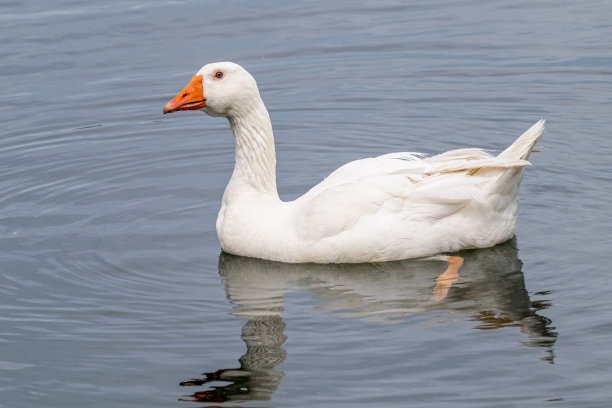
(190, 98)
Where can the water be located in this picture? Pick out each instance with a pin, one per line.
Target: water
(113, 289)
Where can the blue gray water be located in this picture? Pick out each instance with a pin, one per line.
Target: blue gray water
(113, 288)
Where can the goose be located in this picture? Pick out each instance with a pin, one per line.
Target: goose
(391, 207)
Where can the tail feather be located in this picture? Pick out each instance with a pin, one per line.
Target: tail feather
(524, 145)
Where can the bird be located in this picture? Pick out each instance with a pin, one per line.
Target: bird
(392, 207)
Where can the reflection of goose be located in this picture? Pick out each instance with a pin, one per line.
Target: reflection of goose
(489, 289)
(255, 379)
(391, 207)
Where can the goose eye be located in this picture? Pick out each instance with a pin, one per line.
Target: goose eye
(219, 74)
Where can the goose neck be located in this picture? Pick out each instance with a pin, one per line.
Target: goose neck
(255, 164)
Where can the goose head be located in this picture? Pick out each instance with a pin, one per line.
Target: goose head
(218, 89)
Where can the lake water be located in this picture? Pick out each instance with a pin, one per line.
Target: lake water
(113, 288)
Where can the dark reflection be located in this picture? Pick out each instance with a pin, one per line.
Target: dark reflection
(255, 379)
(488, 287)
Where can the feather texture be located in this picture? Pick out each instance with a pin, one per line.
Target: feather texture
(396, 206)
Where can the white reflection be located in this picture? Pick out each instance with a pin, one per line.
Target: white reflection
(489, 288)
(484, 285)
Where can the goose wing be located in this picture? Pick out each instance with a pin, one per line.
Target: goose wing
(396, 190)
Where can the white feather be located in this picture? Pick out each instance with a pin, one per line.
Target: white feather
(391, 207)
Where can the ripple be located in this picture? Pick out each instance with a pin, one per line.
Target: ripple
(109, 275)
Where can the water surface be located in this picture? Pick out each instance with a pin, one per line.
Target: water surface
(113, 288)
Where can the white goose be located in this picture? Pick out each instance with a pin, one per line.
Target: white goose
(391, 207)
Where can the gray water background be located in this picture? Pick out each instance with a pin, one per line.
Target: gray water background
(113, 288)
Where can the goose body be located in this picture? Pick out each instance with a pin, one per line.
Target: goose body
(392, 207)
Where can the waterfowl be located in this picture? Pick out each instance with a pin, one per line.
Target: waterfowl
(392, 207)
